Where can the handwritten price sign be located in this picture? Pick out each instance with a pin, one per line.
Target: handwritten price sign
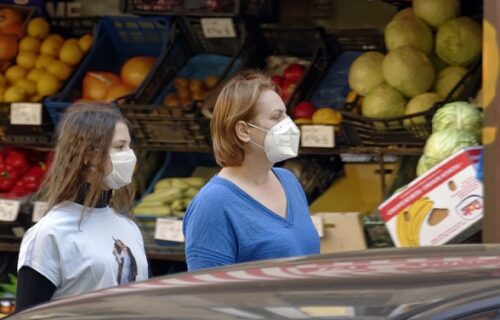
(26, 114)
(169, 230)
(318, 136)
(9, 209)
(218, 28)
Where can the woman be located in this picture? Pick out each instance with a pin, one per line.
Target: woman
(70, 250)
(250, 210)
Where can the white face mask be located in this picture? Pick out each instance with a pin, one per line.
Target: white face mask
(282, 140)
(123, 169)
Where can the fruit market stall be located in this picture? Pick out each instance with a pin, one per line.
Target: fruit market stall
(391, 112)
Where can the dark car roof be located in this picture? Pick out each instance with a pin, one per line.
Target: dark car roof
(372, 284)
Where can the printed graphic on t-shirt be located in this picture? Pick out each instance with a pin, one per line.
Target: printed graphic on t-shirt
(127, 266)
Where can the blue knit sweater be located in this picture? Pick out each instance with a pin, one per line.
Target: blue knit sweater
(224, 225)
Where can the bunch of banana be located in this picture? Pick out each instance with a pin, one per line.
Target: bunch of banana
(409, 222)
(171, 196)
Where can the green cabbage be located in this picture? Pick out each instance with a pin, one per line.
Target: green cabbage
(459, 42)
(383, 102)
(420, 103)
(365, 73)
(409, 32)
(436, 12)
(458, 115)
(409, 71)
(444, 144)
(423, 165)
(405, 13)
(447, 79)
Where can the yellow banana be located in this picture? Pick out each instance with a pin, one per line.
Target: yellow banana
(409, 222)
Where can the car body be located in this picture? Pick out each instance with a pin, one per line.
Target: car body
(446, 282)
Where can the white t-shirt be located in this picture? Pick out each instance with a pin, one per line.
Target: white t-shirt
(106, 250)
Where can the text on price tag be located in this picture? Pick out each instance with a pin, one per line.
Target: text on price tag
(9, 209)
(318, 224)
(39, 209)
(218, 28)
(169, 230)
(26, 114)
(318, 136)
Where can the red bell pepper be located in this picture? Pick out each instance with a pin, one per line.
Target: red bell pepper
(33, 178)
(18, 161)
(8, 177)
(20, 190)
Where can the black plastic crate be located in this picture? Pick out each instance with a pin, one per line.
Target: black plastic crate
(316, 173)
(310, 44)
(404, 131)
(184, 126)
(42, 134)
(25, 134)
(263, 9)
(157, 128)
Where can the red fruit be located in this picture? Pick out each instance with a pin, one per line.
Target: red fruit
(303, 110)
(18, 161)
(294, 72)
(278, 80)
(287, 89)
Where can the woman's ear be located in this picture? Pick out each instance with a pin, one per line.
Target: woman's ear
(241, 131)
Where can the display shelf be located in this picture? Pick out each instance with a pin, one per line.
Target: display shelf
(9, 247)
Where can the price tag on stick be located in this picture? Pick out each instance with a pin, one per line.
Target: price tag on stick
(218, 28)
(169, 230)
(9, 209)
(318, 136)
(26, 114)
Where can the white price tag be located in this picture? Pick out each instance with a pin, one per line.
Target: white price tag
(169, 229)
(317, 136)
(9, 209)
(318, 224)
(218, 28)
(26, 114)
(39, 209)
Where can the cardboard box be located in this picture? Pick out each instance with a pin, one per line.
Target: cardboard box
(445, 205)
(340, 231)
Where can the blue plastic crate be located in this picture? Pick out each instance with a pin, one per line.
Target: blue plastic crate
(116, 40)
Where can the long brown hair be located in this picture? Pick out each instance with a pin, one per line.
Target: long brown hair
(84, 132)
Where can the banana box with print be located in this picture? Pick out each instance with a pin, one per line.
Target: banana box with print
(445, 205)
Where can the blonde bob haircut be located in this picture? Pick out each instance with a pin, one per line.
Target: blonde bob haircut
(236, 102)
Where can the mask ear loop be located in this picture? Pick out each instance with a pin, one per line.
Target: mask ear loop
(259, 128)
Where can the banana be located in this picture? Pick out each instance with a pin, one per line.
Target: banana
(152, 211)
(191, 192)
(165, 195)
(409, 222)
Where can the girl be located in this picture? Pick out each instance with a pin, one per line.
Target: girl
(71, 249)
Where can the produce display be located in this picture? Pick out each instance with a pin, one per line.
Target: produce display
(286, 72)
(429, 49)
(43, 62)
(104, 86)
(171, 197)
(306, 113)
(187, 91)
(455, 126)
(22, 171)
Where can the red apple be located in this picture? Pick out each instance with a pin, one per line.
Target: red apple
(294, 72)
(303, 110)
